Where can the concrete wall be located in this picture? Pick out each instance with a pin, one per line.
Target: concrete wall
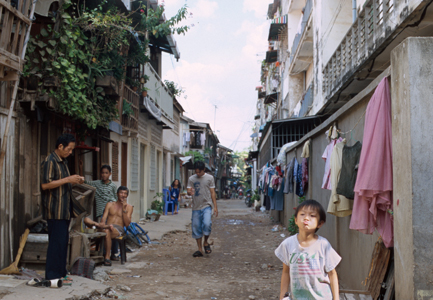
(355, 248)
(412, 112)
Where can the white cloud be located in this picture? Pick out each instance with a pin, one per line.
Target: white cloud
(256, 36)
(259, 7)
(204, 9)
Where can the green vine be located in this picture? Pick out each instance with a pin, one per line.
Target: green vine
(86, 42)
(292, 227)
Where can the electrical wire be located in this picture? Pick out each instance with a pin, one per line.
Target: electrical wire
(178, 80)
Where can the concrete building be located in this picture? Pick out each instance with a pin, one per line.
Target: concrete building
(325, 60)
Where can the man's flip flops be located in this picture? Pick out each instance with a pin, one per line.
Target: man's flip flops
(197, 254)
(207, 249)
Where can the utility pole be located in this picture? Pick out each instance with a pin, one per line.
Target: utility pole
(214, 119)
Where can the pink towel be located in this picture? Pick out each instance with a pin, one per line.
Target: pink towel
(373, 188)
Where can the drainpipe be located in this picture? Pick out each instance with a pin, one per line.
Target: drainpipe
(354, 10)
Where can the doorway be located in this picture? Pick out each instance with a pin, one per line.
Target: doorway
(124, 172)
(142, 184)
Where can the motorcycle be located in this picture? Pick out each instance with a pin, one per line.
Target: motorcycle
(241, 194)
(248, 198)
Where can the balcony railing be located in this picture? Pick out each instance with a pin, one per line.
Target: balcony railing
(158, 92)
(130, 122)
(307, 12)
(362, 40)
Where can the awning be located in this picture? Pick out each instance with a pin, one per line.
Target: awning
(262, 94)
(271, 56)
(261, 128)
(277, 25)
(253, 154)
(271, 98)
(115, 127)
(256, 117)
(255, 134)
(185, 159)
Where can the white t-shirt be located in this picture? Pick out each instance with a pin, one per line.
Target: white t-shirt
(202, 197)
(308, 267)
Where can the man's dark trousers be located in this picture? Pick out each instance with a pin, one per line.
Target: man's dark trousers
(58, 239)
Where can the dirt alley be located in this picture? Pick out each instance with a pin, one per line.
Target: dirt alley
(242, 264)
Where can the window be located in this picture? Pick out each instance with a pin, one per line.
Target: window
(152, 167)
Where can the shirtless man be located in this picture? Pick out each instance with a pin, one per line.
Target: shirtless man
(116, 215)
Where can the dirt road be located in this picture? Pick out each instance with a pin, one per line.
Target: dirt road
(242, 264)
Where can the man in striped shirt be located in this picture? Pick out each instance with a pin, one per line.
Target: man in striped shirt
(58, 204)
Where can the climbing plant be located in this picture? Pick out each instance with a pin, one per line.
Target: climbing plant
(87, 42)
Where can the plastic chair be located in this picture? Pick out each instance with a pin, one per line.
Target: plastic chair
(167, 200)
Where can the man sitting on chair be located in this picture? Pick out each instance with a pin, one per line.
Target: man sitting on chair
(116, 215)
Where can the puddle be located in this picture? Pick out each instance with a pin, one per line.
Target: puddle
(238, 222)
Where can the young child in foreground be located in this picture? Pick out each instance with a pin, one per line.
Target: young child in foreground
(309, 260)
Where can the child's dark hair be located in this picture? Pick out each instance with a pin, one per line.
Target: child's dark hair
(178, 186)
(314, 205)
(107, 167)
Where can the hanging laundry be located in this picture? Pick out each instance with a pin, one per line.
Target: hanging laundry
(306, 150)
(297, 174)
(192, 136)
(349, 170)
(197, 139)
(338, 205)
(327, 157)
(373, 188)
(203, 138)
(288, 186)
(188, 137)
(304, 181)
(277, 201)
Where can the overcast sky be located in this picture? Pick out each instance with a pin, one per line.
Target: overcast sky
(220, 64)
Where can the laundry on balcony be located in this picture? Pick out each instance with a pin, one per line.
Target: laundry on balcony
(152, 108)
(276, 28)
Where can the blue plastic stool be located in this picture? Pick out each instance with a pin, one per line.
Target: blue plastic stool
(167, 200)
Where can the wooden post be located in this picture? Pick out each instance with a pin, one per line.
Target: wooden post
(14, 96)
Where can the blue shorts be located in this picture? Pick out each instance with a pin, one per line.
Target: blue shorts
(201, 222)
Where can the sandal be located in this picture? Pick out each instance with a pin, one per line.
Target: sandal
(107, 262)
(197, 254)
(114, 258)
(207, 249)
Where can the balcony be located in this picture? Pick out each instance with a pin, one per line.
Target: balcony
(301, 54)
(364, 51)
(159, 93)
(130, 122)
(304, 106)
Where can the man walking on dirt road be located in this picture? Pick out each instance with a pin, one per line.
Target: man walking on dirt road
(201, 187)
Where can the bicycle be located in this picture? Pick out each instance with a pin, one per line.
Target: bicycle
(136, 234)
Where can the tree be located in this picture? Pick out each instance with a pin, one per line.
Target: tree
(87, 41)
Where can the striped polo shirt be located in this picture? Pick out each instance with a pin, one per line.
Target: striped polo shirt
(57, 203)
(105, 192)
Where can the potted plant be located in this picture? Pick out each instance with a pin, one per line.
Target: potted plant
(144, 79)
(133, 84)
(144, 91)
(156, 205)
(127, 108)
